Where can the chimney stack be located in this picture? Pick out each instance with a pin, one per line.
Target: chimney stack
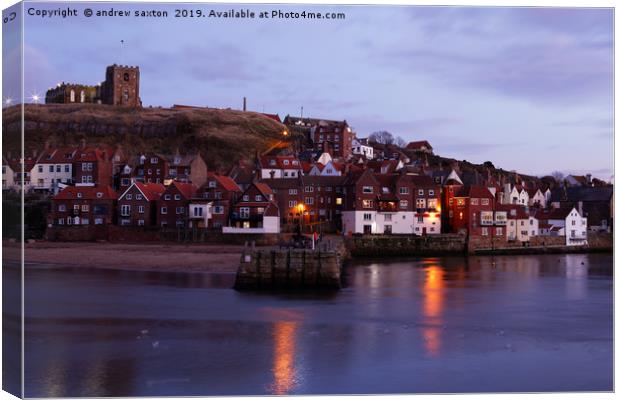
(244, 104)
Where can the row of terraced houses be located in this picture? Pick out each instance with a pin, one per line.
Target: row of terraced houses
(336, 183)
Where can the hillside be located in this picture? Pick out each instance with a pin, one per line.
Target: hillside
(223, 137)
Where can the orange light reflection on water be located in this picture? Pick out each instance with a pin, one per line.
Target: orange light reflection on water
(432, 308)
(284, 373)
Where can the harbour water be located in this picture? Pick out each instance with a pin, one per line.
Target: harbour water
(431, 325)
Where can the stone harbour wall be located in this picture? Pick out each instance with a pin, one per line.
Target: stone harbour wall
(405, 245)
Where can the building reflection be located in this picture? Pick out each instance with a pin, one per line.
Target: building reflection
(432, 308)
(284, 372)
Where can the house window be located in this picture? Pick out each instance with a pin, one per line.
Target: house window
(67, 168)
(431, 192)
(246, 197)
(125, 210)
(218, 195)
(338, 201)
(197, 211)
(40, 169)
(177, 197)
(167, 197)
(125, 222)
(244, 212)
(164, 210)
(432, 204)
(260, 210)
(180, 210)
(51, 168)
(140, 222)
(138, 196)
(128, 196)
(62, 208)
(404, 204)
(367, 189)
(292, 191)
(87, 179)
(404, 190)
(141, 209)
(485, 231)
(367, 217)
(212, 184)
(309, 189)
(258, 197)
(309, 201)
(218, 210)
(367, 203)
(291, 203)
(125, 182)
(79, 195)
(61, 221)
(484, 202)
(420, 192)
(473, 201)
(388, 217)
(420, 203)
(499, 231)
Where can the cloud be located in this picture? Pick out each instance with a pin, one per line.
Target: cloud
(537, 55)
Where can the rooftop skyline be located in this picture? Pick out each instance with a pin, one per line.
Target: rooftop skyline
(529, 89)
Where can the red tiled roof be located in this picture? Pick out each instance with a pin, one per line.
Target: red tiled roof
(87, 193)
(474, 191)
(226, 182)
(265, 162)
(61, 155)
(418, 145)
(188, 190)
(152, 191)
(264, 189)
(274, 117)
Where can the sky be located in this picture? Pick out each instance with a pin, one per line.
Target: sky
(530, 89)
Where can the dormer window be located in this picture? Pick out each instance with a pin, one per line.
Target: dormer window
(177, 160)
(286, 162)
(99, 195)
(272, 162)
(212, 184)
(154, 160)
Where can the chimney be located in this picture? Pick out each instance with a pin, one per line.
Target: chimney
(244, 104)
(589, 179)
(580, 207)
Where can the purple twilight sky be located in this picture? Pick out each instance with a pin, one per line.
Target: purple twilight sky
(529, 89)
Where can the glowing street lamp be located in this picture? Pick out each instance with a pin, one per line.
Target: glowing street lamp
(285, 133)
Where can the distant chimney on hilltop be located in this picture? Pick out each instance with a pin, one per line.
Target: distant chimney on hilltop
(244, 104)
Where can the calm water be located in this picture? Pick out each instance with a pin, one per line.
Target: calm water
(527, 323)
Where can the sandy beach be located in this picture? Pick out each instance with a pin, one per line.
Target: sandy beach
(133, 256)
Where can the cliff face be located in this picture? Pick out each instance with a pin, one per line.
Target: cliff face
(223, 137)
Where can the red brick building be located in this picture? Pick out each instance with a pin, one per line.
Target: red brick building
(472, 208)
(333, 137)
(92, 166)
(173, 205)
(84, 205)
(222, 192)
(151, 168)
(255, 204)
(137, 206)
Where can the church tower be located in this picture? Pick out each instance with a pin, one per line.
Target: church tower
(121, 86)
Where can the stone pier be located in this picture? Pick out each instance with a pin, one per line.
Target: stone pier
(289, 269)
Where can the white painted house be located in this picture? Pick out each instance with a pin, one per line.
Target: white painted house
(360, 148)
(53, 166)
(200, 212)
(8, 176)
(537, 197)
(567, 222)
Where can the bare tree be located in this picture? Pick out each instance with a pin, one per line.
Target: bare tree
(400, 142)
(383, 137)
(558, 176)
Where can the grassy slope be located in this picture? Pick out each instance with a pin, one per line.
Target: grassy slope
(223, 137)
